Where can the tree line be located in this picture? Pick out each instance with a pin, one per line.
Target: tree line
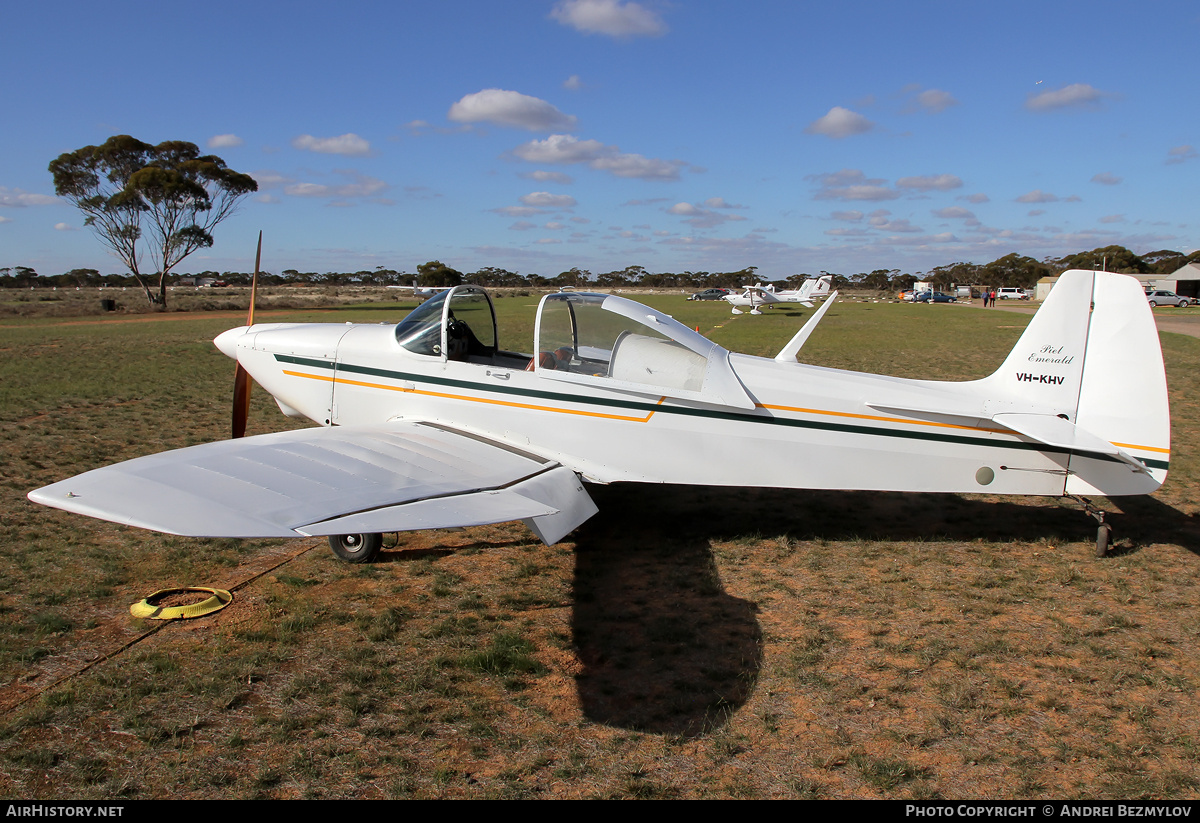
(1010, 270)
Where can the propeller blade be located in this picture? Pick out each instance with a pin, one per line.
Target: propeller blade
(241, 401)
(241, 377)
(254, 281)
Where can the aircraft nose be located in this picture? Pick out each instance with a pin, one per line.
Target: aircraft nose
(227, 341)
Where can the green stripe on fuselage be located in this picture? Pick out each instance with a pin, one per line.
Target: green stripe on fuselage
(763, 417)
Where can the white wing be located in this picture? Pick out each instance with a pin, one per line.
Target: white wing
(342, 480)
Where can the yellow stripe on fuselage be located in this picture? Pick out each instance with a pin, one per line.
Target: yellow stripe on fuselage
(446, 395)
(646, 419)
(883, 419)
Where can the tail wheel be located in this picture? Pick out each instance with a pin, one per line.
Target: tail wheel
(356, 548)
(1103, 539)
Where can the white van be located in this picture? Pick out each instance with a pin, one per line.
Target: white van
(1011, 294)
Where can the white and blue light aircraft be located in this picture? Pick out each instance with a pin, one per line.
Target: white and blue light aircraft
(755, 297)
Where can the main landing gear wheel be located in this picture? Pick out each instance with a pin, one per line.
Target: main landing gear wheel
(356, 548)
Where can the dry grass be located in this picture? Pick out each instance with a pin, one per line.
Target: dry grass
(684, 643)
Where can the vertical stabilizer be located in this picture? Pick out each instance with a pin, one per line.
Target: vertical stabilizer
(1087, 375)
(1123, 398)
(1045, 369)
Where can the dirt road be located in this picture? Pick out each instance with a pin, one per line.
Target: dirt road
(1179, 321)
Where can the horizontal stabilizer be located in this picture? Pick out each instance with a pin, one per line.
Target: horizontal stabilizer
(1063, 434)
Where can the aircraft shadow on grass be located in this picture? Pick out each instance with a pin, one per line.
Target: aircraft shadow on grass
(665, 649)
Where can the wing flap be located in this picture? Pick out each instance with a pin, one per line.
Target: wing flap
(343, 480)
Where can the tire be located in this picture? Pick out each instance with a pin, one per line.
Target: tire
(356, 548)
(1103, 538)
(1153, 305)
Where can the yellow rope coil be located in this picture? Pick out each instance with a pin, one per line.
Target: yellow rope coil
(147, 608)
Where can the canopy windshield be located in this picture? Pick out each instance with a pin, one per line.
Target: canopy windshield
(456, 323)
(589, 336)
(421, 331)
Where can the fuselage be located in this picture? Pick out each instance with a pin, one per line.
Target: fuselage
(747, 421)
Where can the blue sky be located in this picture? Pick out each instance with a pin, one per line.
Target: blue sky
(540, 135)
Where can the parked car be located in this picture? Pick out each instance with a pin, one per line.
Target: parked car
(935, 297)
(710, 294)
(1011, 294)
(1166, 298)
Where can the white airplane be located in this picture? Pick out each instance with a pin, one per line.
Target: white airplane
(433, 423)
(424, 292)
(810, 290)
(755, 297)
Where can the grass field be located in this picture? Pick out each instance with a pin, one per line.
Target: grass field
(689, 643)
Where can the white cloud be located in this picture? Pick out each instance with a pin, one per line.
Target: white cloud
(859, 193)
(901, 225)
(1076, 95)
(851, 184)
(610, 17)
(1106, 179)
(1038, 196)
(347, 144)
(978, 197)
(565, 149)
(522, 225)
(64, 227)
(720, 203)
(510, 108)
(839, 123)
(548, 177)
(1179, 154)
(953, 213)
(517, 211)
(847, 216)
(224, 141)
(4, 219)
(358, 185)
(845, 177)
(637, 166)
(930, 182)
(19, 198)
(1113, 218)
(935, 100)
(560, 148)
(573, 83)
(546, 200)
(704, 218)
(266, 178)
(856, 231)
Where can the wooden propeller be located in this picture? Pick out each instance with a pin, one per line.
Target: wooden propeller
(241, 377)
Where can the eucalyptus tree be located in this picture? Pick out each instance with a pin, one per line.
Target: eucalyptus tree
(161, 201)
